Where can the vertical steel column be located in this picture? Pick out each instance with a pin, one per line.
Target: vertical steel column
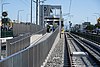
(31, 11)
(43, 14)
(31, 19)
(19, 15)
(0, 34)
(37, 11)
(60, 22)
(0, 43)
(0, 27)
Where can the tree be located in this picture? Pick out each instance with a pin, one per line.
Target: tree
(97, 25)
(90, 27)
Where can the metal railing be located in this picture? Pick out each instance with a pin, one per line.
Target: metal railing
(17, 44)
(67, 61)
(31, 57)
(21, 42)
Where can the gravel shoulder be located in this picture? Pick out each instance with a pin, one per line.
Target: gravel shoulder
(56, 58)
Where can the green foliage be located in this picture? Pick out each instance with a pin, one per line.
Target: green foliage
(5, 20)
(97, 25)
(90, 27)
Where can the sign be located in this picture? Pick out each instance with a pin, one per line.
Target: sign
(98, 20)
(0, 23)
(4, 14)
(45, 9)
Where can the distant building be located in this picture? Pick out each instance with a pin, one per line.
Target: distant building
(53, 20)
(76, 28)
(81, 28)
(45, 15)
(85, 24)
(45, 10)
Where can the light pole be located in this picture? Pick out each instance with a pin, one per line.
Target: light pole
(37, 9)
(70, 22)
(18, 15)
(43, 24)
(27, 18)
(87, 19)
(43, 13)
(60, 22)
(3, 5)
(70, 15)
(95, 18)
(66, 14)
(97, 14)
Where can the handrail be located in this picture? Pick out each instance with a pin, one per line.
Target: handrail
(26, 37)
(20, 51)
(24, 49)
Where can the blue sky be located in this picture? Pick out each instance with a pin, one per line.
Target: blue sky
(80, 9)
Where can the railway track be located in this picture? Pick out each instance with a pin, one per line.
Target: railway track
(67, 54)
(86, 54)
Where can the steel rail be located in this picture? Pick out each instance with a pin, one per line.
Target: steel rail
(89, 51)
(77, 48)
(92, 47)
(68, 51)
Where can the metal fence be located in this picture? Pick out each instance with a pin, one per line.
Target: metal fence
(21, 42)
(31, 57)
(22, 28)
(16, 44)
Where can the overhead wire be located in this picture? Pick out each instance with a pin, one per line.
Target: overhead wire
(25, 3)
(70, 9)
(28, 1)
(70, 5)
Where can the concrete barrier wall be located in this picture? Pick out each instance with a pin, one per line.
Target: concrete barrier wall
(30, 57)
(35, 37)
(43, 31)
